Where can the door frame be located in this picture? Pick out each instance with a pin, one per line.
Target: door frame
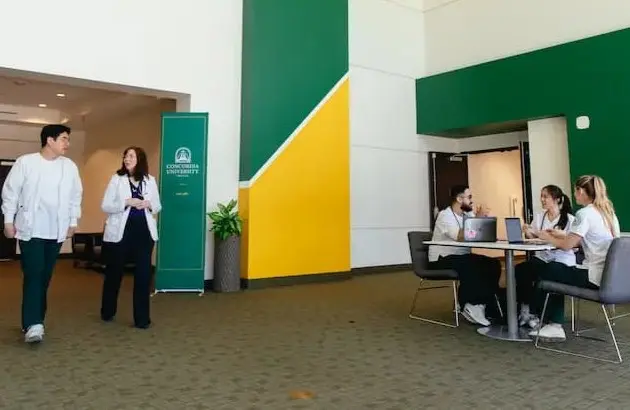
(433, 206)
(525, 164)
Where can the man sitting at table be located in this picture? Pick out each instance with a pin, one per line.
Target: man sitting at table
(478, 274)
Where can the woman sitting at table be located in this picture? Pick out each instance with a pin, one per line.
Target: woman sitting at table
(595, 227)
(556, 216)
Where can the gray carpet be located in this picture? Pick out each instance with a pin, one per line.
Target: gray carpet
(334, 346)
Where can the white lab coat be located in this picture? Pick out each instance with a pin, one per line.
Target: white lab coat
(117, 192)
(20, 196)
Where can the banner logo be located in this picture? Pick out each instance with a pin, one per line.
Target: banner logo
(183, 165)
(183, 156)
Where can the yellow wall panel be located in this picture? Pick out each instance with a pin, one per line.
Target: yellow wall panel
(298, 209)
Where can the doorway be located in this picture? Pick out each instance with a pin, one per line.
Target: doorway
(7, 246)
(446, 170)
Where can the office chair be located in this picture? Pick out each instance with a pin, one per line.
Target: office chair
(420, 265)
(614, 289)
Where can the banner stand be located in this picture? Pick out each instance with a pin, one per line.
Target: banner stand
(182, 223)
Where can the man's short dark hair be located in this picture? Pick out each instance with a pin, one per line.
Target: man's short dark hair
(457, 190)
(52, 131)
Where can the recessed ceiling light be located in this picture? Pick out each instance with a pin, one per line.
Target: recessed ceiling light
(61, 95)
(42, 106)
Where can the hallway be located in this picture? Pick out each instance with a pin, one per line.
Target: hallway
(350, 344)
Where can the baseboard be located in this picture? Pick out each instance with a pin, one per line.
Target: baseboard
(370, 270)
(255, 284)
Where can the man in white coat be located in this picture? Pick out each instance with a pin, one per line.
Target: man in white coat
(41, 203)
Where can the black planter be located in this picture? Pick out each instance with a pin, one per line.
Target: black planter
(227, 265)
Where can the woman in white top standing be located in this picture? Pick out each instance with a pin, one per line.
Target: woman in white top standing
(556, 216)
(595, 227)
(130, 201)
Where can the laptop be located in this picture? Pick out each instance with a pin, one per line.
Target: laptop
(480, 229)
(514, 232)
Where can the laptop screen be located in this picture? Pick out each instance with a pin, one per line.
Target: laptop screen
(514, 230)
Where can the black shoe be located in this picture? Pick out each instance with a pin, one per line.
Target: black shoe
(142, 326)
(107, 318)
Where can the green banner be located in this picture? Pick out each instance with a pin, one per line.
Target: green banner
(181, 250)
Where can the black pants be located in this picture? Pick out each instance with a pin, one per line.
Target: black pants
(38, 259)
(478, 276)
(559, 272)
(527, 274)
(136, 245)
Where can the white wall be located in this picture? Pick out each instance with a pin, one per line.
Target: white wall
(186, 47)
(548, 156)
(389, 167)
(460, 33)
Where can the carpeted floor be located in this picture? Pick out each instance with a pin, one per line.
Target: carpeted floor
(334, 346)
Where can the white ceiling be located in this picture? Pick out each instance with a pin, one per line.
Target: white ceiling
(78, 105)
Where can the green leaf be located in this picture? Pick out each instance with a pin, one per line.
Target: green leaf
(215, 216)
(226, 221)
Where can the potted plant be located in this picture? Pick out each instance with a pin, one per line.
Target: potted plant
(227, 226)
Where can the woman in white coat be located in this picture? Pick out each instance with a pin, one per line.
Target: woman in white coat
(130, 202)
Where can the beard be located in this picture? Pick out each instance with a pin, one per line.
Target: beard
(466, 207)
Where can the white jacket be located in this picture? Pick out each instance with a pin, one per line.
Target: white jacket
(20, 196)
(117, 192)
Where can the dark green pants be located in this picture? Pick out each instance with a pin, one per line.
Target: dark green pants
(559, 272)
(38, 257)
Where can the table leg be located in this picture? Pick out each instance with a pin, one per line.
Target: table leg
(511, 332)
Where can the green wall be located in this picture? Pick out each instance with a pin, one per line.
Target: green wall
(294, 52)
(587, 77)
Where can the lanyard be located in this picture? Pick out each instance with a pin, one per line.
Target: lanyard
(542, 221)
(134, 189)
(456, 220)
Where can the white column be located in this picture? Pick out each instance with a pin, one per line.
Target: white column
(548, 156)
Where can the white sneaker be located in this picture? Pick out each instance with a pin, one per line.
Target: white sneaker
(524, 318)
(552, 332)
(34, 334)
(533, 322)
(475, 314)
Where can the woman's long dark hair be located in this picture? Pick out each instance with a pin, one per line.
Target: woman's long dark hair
(564, 202)
(142, 166)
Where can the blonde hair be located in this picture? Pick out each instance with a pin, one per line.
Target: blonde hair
(596, 190)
